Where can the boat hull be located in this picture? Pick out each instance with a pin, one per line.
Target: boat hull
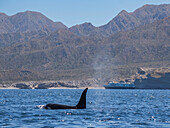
(119, 87)
(112, 85)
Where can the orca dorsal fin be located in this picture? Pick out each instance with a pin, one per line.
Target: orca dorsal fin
(82, 102)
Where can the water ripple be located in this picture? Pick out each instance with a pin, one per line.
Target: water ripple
(105, 108)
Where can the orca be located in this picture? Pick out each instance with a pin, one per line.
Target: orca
(81, 104)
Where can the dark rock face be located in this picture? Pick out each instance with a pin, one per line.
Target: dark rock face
(46, 85)
(22, 86)
(50, 85)
(153, 83)
(140, 71)
(42, 86)
(62, 84)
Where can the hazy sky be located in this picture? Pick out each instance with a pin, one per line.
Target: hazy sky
(72, 12)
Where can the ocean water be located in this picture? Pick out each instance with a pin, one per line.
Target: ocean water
(105, 109)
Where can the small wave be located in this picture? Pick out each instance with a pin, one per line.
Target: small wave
(40, 106)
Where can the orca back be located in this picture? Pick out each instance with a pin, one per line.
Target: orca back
(82, 102)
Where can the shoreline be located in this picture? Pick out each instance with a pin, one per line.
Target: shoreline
(57, 88)
(9, 88)
(77, 88)
(62, 84)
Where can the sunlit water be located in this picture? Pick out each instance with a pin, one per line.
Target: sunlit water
(105, 108)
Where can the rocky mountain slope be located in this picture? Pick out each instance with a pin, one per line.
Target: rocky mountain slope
(27, 22)
(44, 51)
(62, 50)
(125, 21)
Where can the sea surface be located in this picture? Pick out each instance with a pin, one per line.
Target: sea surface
(105, 109)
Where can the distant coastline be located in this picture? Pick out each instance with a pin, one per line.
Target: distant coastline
(145, 78)
(76, 84)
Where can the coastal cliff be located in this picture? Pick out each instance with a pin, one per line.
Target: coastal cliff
(148, 78)
(153, 78)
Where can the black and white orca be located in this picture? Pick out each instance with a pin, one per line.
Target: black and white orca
(81, 104)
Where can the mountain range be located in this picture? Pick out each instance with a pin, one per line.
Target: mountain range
(125, 21)
(26, 22)
(33, 47)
